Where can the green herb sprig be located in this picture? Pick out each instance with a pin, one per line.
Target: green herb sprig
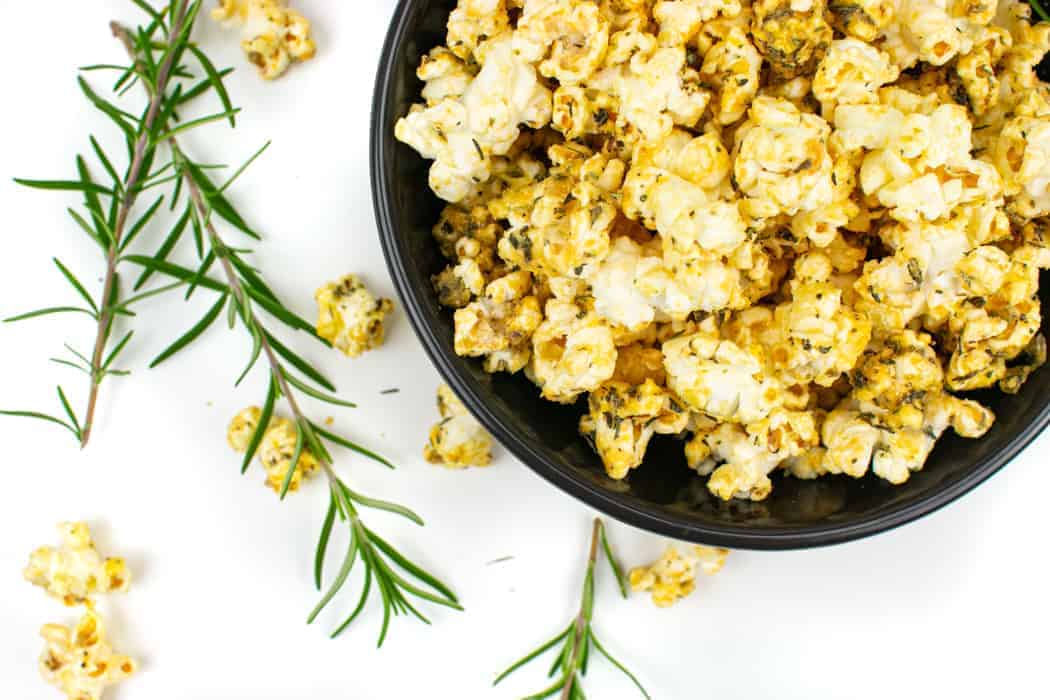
(242, 291)
(109, 215)
(577, 639)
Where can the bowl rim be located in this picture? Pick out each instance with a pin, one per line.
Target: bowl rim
(674, 525)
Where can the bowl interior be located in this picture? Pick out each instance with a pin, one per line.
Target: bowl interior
(663, 494)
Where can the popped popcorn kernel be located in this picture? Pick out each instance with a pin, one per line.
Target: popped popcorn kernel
(457, 441)
(275, 36)
(350, 317)
(276, 449)
(80, 661)
(673, 576)
(74, 571)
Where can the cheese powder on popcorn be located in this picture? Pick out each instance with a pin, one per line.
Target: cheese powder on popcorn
(794, 233)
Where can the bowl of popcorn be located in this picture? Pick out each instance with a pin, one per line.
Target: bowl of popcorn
(751, 273)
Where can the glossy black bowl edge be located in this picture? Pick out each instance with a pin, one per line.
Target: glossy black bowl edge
(667, 524)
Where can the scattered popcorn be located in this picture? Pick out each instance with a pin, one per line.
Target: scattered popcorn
(673, 575)
(79, 661)
(276, 450)
(275, 35)
(457, 441)
(350, 317)
(74, 571)
(792, 233)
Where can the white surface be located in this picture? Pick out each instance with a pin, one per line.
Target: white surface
(952, 606)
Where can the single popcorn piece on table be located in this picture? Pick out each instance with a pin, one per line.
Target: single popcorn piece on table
(673, 576)
(276, 450)
(457, 441)
(350, 317)
(74, 571)
(79, 661)
(275, 35)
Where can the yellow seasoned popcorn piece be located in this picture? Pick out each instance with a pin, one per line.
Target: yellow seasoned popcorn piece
(457, 441)
(462, 134)
(499, 325)
(656, 87)
(276, 450)
(74, 571)
(733, 67)
(741, 458)
(573, 351)
(350, 317)
(673, 576)
(851, 73)
(79, 661)
(862, 19)
(275, 35)
(457, 285)
(781, 161)
(680, 20)
(791, 34)
(567, 38)
(474, 22)
(716, 376)
(623, 418)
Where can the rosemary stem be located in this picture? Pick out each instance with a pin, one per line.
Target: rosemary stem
(580, 627)
(234, 282)
(131, 182)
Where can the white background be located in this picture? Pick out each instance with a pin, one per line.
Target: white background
(952, 606)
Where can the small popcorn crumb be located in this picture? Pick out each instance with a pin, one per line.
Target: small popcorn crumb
(74, 571)
(673, 576)
(79, 661)
(329, 420)
(457, 440)
(350, 317)
(275, 450)
(275, 36)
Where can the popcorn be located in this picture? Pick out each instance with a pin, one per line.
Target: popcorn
(79, 661)
(721, 379)
(781, 162)
(275, 36)
(791, 34)
(462, 134)
(74, 572)
(498, 326)
(457, 441)
(673, 576)
(573, 352)
(745, 224)
(350, 317)
(623, 418)
(275, 451)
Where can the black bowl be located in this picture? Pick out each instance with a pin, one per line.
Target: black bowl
(662, 495)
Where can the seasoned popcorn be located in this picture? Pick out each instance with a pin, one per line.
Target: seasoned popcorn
(276, 450)
(457, 441)
(673, 576)
(792, 233)
(79, 661)
(350, 317)
(74, 571)
(275, 35)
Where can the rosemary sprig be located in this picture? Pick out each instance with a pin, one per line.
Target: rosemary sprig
(107, 214)
(578, 637)
(241, 292)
